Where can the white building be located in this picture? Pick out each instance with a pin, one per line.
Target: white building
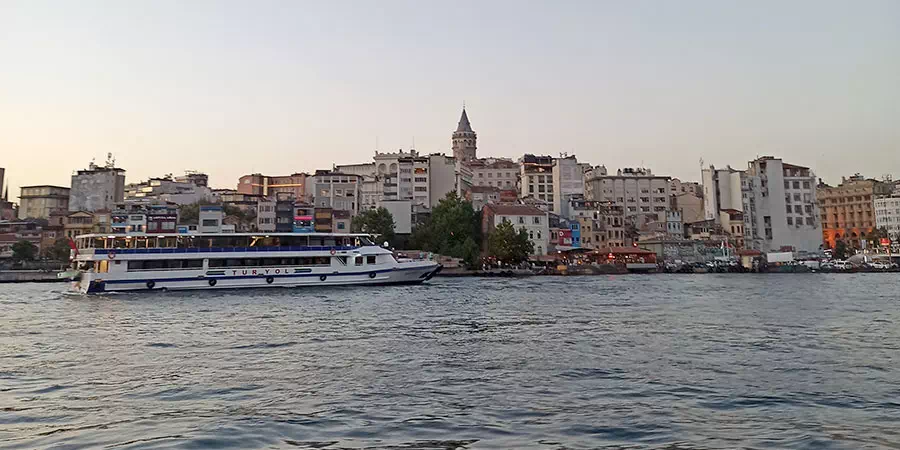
(181, 190)
(638, 191)
(210, 219)
(97, 188)
(424, 180)
(780, 214)
(722, 192)
(536, 178)
(568, 182)
(532, 220)
(336, 190)
(497, 172)
(265, 215)
(887, 214)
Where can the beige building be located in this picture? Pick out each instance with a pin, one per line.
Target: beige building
(847, 210)
(293, 185)
(495, 172)
(637, 191)
(97, 188)
(39, 202)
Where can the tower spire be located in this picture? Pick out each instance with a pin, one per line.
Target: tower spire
(464, 139)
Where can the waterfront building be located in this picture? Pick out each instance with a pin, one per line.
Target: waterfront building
(721, 192)
(265, 215)
(780, 208)
(536, 178)
(284, 215)
(690, 206)
(464, 140)
(532, 220)
(83, 222)
(336, 190)
(637, 191)
(246, 202)
(887, 214)
(293, 185)
(847, 211)
(600, 224)
(567, 182)
(38, 202)
(304, 218)
(12, 231)
(210, 219)
(422, 179)
(97, 188)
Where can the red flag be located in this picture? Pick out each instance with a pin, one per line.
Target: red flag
(72, 246)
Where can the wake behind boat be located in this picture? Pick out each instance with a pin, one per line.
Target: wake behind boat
(139, 261)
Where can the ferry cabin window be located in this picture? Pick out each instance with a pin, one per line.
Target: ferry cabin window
(269, 262)
(359, 260)
(370, 259)
(163, 264)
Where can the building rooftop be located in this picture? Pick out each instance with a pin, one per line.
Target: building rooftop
(515, 210)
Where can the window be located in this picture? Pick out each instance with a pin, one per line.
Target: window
(790, 220)
(480, 174)
(806, 185)
(358, 260)
(341, 226)
(787, 184)
(490, 174)
(531, 189)
(796, 185)
(810, 222)
(537, 220)
(210, 222)
(370, 259)
(521, 220)
(798, 209)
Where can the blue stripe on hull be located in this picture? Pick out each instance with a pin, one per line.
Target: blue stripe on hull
(243, 277)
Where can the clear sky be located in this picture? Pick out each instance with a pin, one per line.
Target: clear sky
(230, 87)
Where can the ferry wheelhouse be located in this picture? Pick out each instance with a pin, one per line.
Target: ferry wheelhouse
(142, 262)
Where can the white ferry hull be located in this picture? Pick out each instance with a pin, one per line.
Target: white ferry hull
(402, 273)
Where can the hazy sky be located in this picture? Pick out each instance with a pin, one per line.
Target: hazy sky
(278, 87)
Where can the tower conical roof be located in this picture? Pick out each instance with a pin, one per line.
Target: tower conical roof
(464, 123)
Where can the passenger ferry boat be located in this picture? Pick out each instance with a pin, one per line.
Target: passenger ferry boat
(146, 262)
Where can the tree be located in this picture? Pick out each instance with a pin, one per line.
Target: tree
(454, 229)
(24, 251)
(59, 251)
(876, 235)
(189, 214)
(378, 222)
(508, 245)
(840, 250)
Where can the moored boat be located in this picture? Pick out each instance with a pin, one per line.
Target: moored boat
(142, 262)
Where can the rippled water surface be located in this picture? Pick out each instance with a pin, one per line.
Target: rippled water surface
(667, 362)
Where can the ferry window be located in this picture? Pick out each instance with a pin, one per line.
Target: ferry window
(202, 242)
(233, 263)
(154, 264)
(251, 262)
(193, 264)
(359, 260)
(270, 262)
(173, 264)
(370, 259)
(329, 242)
(221, 242)
(216, 263)
(322, 261)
